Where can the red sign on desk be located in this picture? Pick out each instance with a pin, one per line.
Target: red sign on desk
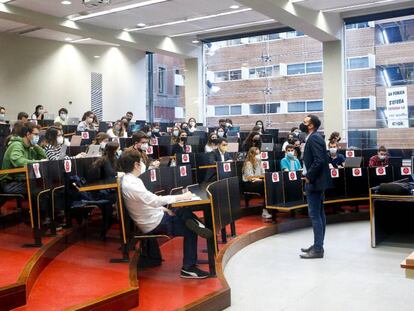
(68, 166)
(154, 141)
(185, 158)
(153, 175)
(183, 171)
(265, 165)
(188, 149)
(292, 176)
(264, 155)
(85, 135)
(226, 167)
(380, 171)
(350, 153)
(356, 172)
(275, 177)
(406, 171)
(150, 150)
(36, 170)
(334, 173)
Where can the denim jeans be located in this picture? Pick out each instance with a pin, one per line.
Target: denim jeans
(175, 226)
(317, 216)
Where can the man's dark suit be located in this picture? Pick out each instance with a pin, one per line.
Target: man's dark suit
(217, 156)
(316, 162)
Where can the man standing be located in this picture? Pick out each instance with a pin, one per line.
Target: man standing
(317, 180)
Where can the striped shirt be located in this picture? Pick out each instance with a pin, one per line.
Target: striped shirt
(53, 152)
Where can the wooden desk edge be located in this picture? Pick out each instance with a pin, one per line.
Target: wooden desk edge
(190, 203)
(98, 187)
(287, 209)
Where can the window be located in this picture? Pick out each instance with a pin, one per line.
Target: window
(294, 34)
(314, 67)
(314, 105)
(401, 74)
(358, 26)
(395, 32)
(177, 87)
(235, 74)
(274, 36)
(358, 62)
(221, 111)
(221, 76)
(257, 109)
(363, 139)
(296, 69)
(263, 72)
(273, 108)
(296, 107)
(235, 110)
(358, 103)
(162, 80)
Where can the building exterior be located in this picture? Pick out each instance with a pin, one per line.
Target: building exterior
(277, 78)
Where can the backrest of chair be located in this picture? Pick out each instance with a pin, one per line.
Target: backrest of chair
(226, 170)
(379, 175)
(183, 175)
(356, 180)
(274, 188)
(292, 184)
(338, 180)
(185, 159)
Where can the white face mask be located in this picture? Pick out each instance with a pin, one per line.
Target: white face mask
(257, 156)
(175, 133)
(228, 124)
(89, 120)
(40, 111)
(103, 145)
(149, 133)
(333, 150)
(144, 147)
(59, 140)
(382, 157)
(220, 134)
(192, 124)
(291, 154)
(63, 116)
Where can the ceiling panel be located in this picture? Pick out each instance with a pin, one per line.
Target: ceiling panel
(8, 26)
(330, 4)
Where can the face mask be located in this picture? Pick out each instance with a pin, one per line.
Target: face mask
(2, 116)
(228, 124)
(59, 140)
(41, 111)
(220, 134)
(34, 140)
(156, 130)
(257, 157)
(103, 145)
(175, 133)
(303, 128)
(259, 125)
(118, 153)
(63, 116)
(291, 154)
(223, 149)
(89, 120)
(144, 147)
(214, 141)
(192, 124)
(183, 139)
(333, 150)
(149, 133)
(129, 119)
(382, 157)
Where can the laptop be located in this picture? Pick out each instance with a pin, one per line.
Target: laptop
(267, 147)
(49, 116)
(62, 154)
(353, 162)
(93, 151)
(232, 139)
(76, 140)
(233, 147)
(164, 161)
(73, 121)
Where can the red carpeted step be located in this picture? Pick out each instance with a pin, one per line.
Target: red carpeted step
(79, 274)
(13, 257)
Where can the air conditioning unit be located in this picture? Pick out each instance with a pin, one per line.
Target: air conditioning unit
(95, 3)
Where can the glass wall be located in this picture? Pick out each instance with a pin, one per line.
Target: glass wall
(380, 59)
(168, 92)
(276, 78)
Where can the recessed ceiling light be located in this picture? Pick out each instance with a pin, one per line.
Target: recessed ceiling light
(141, 25)
(96, 56)
(80, 40)
(66, 2)
(118, 9)
(234, 6)
(68, 39)
(195, 41)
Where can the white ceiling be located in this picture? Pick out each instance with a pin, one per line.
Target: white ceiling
(333, 4)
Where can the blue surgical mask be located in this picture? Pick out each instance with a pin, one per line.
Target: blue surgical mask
(291, 154)
(34, 140)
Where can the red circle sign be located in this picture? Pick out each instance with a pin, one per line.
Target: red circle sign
(381, 170)
(406, 170)
(334, 172)
(357, 172)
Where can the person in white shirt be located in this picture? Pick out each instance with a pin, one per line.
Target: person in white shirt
(62, 118)
(118, 130)
(149, 213)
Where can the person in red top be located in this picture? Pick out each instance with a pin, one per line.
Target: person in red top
(380, 159)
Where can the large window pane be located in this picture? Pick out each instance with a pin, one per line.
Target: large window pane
(296, 107)
(358, 62)
(221, 76)
(257, 109)
(222, 111)
(295, 69)
(273, 108)
(358, 103)
(235, 110)
(315, 105)
(315, 67)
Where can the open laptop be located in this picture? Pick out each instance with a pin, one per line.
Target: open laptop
(76, 140)
(49, 116)
(267, 147)
(73, 121)
(353, 162)
(93, 151)
(232, 139)
(164, 161)
(62, 154)
(233, 147)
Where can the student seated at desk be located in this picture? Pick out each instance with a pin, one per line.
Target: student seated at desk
(149, 214)
(140, 144)
(87, 123)
(101, 139)
(39, 113)
(336, 160)
(252, 140)
(22, 116)
(180, 143)
(290, 162)
(252, 171)
(192, 125)
(21, 150)
(155, 130)
(380, 159)
(118, 130)
(54, 143)
(62, 117)
(221, 154)
(211, 143)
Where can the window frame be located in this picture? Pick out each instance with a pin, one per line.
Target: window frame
(163, 91)
(355, 57)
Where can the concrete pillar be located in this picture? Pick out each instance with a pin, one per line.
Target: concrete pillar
(193, 89)
(335, 110)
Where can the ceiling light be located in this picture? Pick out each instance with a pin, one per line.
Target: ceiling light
(118, 9)
(96, 56)
(221, 28)
(234, 7)
(66, 2)
(4, 1)
(68, 39)
(195, 41)
(193, 19)
(80, 40)
(141, 25)
(357, 5)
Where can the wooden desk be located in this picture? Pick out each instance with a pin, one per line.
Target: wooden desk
(201, 193)
(390, 214)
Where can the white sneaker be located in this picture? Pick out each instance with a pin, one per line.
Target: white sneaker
(266, 214)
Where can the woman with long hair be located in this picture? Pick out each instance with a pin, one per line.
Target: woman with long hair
(87, 123)
(39, 113)
(252, 140)
(118, 130)
(253, 174)
(54, 142)
(211, 143)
